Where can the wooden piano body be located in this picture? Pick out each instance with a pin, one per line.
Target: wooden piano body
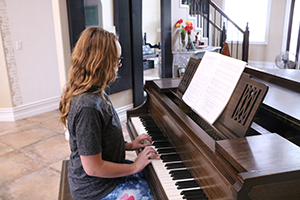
(280, 111)
(228, 161)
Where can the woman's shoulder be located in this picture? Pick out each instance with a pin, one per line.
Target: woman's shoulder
(88, 100)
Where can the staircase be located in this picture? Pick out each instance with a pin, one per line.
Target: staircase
(213, 24)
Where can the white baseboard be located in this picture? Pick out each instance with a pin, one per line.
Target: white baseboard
(122, 112)
(39, 107)
(29, 110)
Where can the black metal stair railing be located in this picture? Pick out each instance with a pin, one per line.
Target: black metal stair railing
(215, 25)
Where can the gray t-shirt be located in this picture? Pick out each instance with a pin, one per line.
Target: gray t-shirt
(93, 128)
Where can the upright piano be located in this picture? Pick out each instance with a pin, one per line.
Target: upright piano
(250, 152)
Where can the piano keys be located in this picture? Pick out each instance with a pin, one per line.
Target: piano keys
(177, 181)
(225, 162)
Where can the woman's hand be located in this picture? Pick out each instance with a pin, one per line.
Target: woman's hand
(141, 141)
(145, 157)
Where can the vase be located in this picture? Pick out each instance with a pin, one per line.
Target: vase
(183, 42)
(180, 41)
(189, 45)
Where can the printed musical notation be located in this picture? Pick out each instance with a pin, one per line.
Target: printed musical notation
(213, 84)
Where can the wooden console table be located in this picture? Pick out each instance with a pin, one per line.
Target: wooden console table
(181, 58)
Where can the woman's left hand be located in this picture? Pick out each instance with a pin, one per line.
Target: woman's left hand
(141, 141)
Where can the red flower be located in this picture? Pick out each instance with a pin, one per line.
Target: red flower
(179, 21)
(189, 26)
(177, 24)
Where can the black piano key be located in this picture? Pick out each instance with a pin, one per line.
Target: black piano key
(153, 129)
(155, 133)
(149, 123)
(181, 171)
(158, 138)
(159, 144)
(195, 198)
(175, 165)
(147, 119)
(166, 150)
(192, 192)
(170, 157)
(180, 174)
(186, 184)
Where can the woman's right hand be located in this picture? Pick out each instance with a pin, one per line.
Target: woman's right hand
(145, 157)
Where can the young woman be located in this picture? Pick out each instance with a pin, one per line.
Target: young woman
(97, 166)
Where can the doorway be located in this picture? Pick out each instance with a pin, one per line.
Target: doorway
(151, 39)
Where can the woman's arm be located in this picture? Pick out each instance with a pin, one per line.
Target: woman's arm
(94, 165)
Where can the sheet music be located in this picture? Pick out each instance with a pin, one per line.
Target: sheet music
(213, 84)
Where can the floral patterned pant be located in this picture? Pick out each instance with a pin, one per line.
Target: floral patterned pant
(134, 187)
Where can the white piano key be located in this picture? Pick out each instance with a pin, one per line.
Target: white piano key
(166, 181)
(138, 125)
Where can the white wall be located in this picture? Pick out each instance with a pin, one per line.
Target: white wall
(33, 75)
(32, 78)
(37, 60)
(151, 20)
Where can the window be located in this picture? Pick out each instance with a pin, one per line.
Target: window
(295, 29)
(255, 12)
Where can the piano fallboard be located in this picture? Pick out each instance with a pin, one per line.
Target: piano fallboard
(252, 167)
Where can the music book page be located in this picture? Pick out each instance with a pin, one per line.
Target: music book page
(213, 84)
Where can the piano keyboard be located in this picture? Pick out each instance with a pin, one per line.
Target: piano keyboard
(177, 181)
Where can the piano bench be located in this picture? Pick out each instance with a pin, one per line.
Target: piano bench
(64, 188)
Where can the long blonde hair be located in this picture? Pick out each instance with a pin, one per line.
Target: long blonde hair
(94, 59)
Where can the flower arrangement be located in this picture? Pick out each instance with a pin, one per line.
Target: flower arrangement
(189, 26)
(184, 29)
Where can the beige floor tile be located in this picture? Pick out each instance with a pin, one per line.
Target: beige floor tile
(127, 138)
(5, 149)
(49, 150)
(42, 184)
(54, 125)
(23, 172)
(9, 127)
(57, 165)
(16, 164)
(44, 117)
(26, 137)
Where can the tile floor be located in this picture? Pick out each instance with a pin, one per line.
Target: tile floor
(31, 153)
